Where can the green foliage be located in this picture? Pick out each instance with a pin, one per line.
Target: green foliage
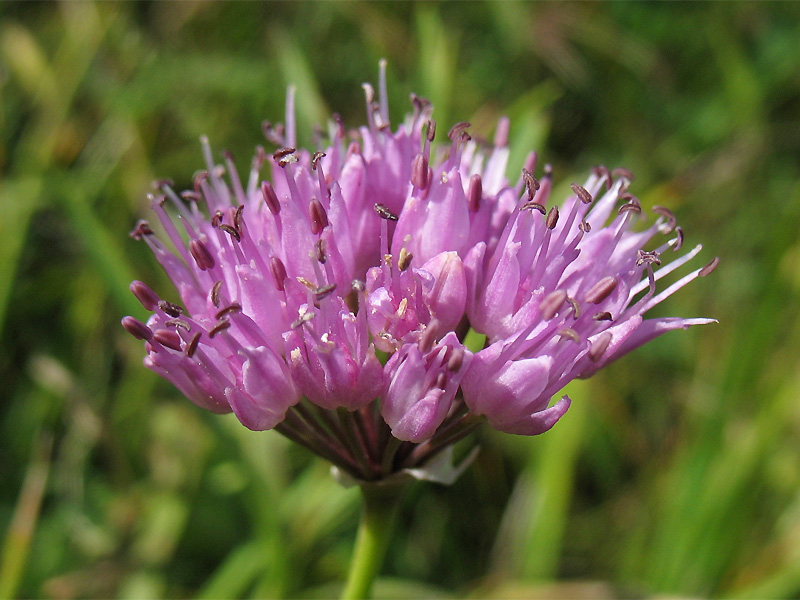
(677, 470)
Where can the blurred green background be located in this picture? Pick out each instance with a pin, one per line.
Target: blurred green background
(676, 472)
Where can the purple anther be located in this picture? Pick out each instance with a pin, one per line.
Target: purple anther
(270, 197)
(456, 130)
(233, 308)
(571, 334)
(168, 338)
(191, 347)
(319, 218)
(144, 294)
(215, 293)
(237, 218)
(137, 329)
(320, 251)
(474, 193)
(231, 231)
(708, 268)
(603, 316)
(219, 327)
(201, 255)
(534, 206)
(582, 193)
(430, 130)
(142, 228)
(552, 218)
(531, 184)
(667, 213)
(599, 346)
(278, 273)
(419, 172)
(198, 179)
(622, 172)
(552, 303)
(601, 290)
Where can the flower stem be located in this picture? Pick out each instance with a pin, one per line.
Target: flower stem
(381, 502)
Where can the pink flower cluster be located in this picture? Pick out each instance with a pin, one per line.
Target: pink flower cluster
(331, 301)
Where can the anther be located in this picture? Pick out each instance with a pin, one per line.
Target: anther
(177, 323)
(474, 192)
(576, 307)
(215, 293)
(319, 218)
(571, 334)
(428, 337)
(160, 183)
(304, 318)
(235, 307)
(534, 206)
(270, 197)
(384, 212)
(601, 290)
(191, 347)
(198, 179)
(419, 172)
(216, 218)
(282, 153)
(708, 268)
(651, 258)
(456, 130)
(441, 381)
(173, 310)
(630, 207)
(585, 226)
(552, 218)
(582, 193)
(309, 284)
(531, 185)
(430, 130)
(237, 218)
(278, 273)
(603, 316)
(219, 327)
(315, 159)
(319, 251)
(358, 285)
(324, 291)
(201, 255)
(622, 172)
(552, 303)
(231, 232)
(142, 228)
(669, 226)
(456, 359)
(168, 338)
(144, 294)
(603, 172)
(599, 346)
(191, 196)
(678, 242)
(404, 259)
(137, 329)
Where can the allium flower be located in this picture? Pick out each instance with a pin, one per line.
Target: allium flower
(331, 300)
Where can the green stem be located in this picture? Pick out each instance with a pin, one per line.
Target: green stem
(381, 502)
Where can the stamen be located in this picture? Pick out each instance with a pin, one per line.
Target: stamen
(428, 337)
(201, 255)
(142, 228)
(173, 310)
(278, 273)
(669, 226)
(319, 251)
(309, 284)
(456, 359)
(137, 329)
(237, 218)
(531, 185)
(708, 268)
(219, 327)
(358, 285)
(215, 293)
(319, 218)
(144, 294)
(404, 259)
(430, 130)
(585, 226)
(571, 334)
(582, 193)
(576, 307)
(168, 338)
(324, 291)
(270, 197)
(191, 347)
(216, 219)
(231, 232)
(501, 132)
(622, 172)
(530, 205)
(601, 290)
(315, 159)
(284, 156)
(384, 212)
(235, 307)
(603, 173)
(603, 316)
(552, 303)
(456, 130)
(651, 258)
(302, 319)
(630, 207)
(177, 323)
(552, 218)
(599, 346)
(419, 172)
(678, 242)
(474, 193)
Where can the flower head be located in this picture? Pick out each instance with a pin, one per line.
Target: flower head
(331, 300)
